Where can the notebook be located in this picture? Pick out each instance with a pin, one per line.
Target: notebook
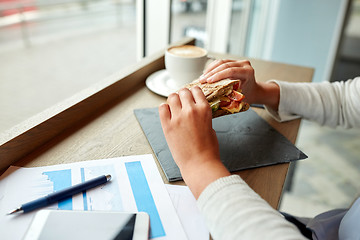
(245, 141)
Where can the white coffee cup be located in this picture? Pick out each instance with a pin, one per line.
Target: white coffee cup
(184, 64)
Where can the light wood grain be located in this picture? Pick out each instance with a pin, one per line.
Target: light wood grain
(103, 125)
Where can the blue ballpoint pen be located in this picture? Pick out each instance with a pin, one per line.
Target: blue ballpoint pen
(62, 194)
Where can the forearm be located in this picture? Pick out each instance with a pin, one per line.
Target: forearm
(198, 177)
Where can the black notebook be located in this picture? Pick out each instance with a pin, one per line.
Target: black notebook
(245, 140)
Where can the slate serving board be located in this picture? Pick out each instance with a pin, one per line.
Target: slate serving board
(245, 140)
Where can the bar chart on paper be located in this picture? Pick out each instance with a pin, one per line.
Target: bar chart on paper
(110, 194)
(136, 186)
(143, 197)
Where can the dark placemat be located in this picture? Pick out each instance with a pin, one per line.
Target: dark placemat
(245, 140)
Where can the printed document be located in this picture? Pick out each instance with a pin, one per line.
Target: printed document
(136, 186)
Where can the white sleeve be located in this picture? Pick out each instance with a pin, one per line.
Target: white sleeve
(332, 104)
(232, 210)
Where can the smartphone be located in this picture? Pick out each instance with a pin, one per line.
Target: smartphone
(63, 224)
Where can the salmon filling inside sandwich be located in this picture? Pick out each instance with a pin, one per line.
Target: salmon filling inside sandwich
(224, 96)
(231, 103)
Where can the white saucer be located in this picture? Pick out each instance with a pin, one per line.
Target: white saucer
(160, 83)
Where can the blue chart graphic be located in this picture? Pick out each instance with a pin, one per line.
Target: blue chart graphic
(84, 192)
(110, 193)
(143, 197)
(61, 179)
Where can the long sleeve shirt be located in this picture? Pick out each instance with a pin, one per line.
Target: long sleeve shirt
(331, 104)
(231, 209)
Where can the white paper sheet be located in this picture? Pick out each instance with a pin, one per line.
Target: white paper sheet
(135, 181)
(190, 217)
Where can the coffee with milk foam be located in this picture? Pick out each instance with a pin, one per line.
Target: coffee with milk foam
(187, 51)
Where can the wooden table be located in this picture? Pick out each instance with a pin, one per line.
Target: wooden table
(99, 123)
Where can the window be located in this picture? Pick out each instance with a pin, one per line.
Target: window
(52, 49)
(188, 18)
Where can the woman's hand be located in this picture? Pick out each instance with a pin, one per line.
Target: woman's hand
(187, 124)
(231, 69)
(225, 68)
(255, 92)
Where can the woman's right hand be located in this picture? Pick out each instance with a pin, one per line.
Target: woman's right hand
(187, 125)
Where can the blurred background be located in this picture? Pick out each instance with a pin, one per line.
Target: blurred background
(52, 49)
